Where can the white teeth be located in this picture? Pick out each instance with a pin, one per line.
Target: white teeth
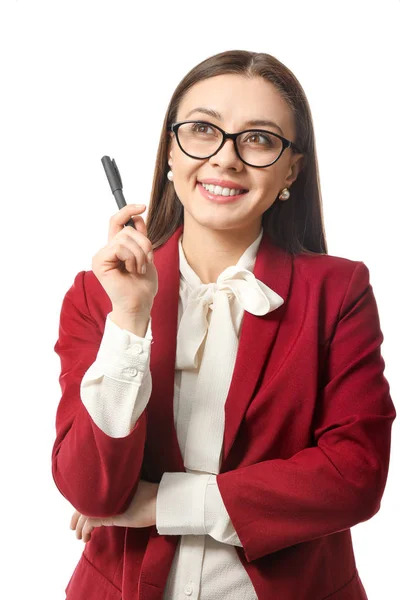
(219, 191)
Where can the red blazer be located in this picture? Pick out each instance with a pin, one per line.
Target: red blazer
(306, 443)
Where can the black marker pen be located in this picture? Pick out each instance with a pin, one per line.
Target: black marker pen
(115, 181)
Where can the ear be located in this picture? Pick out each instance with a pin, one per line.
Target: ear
(295, 168)
(169, 144)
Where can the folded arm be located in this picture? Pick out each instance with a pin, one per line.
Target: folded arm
(339, 482)
(322, 489)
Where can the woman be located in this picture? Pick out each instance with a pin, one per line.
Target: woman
(229, 456)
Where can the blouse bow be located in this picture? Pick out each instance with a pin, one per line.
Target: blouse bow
(234, 282)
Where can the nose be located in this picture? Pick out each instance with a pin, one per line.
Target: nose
(226, 156)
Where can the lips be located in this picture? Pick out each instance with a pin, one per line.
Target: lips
(224, 183)
(219, 199)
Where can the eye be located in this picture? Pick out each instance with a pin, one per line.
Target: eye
(261, 136)
(200, 127)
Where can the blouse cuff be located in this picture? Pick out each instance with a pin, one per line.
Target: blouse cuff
(217, 521)
(180, 504)
(122, 355)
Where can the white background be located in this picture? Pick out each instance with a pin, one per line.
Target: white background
(83, 79)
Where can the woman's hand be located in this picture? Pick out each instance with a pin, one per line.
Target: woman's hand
(118, 265)
(140, 513)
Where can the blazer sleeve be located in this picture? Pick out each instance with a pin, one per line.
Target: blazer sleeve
(98, 474)
(339, 481)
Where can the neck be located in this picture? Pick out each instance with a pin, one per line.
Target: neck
(211, 251)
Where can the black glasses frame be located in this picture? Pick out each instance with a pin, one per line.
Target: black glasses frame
(233, 136)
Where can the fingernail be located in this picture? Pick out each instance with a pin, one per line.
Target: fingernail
(143, 269)
(150, 256)
(139, 205)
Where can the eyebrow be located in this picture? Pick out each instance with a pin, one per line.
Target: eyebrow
(217, 115)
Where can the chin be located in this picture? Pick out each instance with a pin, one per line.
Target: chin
(217, 224)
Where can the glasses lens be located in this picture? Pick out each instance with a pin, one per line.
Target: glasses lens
(259, 148)
(199, 139)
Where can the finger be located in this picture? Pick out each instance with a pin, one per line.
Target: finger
(138, 245)
(88, 527)
(127, 252)
(91, 523)
(140, 237)
(118, 220)
(140, 225)
(74, 519)
(79, 526)
(145, 244)
(112, 255)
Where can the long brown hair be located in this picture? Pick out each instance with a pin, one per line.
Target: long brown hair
(295, 225)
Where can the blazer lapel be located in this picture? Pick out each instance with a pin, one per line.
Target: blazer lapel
(162, 452)
(273, 266)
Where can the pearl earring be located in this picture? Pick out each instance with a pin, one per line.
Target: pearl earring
(170, 175)
(285, 194)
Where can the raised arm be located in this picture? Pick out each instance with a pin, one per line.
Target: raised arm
(97, 473)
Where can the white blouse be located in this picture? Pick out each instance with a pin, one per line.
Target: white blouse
(117, 387)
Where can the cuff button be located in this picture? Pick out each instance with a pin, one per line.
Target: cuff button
(135, 348)
(132, 372)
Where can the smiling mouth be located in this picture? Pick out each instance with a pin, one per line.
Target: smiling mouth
(240, 192)
(219, 198)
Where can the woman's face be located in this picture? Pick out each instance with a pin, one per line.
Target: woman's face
(238, 100)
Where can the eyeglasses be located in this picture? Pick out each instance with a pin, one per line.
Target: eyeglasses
(255, 147)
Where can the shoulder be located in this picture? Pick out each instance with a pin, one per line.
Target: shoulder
(331, 269)
(336, 282)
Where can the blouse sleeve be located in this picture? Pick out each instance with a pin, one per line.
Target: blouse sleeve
(117, 386)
